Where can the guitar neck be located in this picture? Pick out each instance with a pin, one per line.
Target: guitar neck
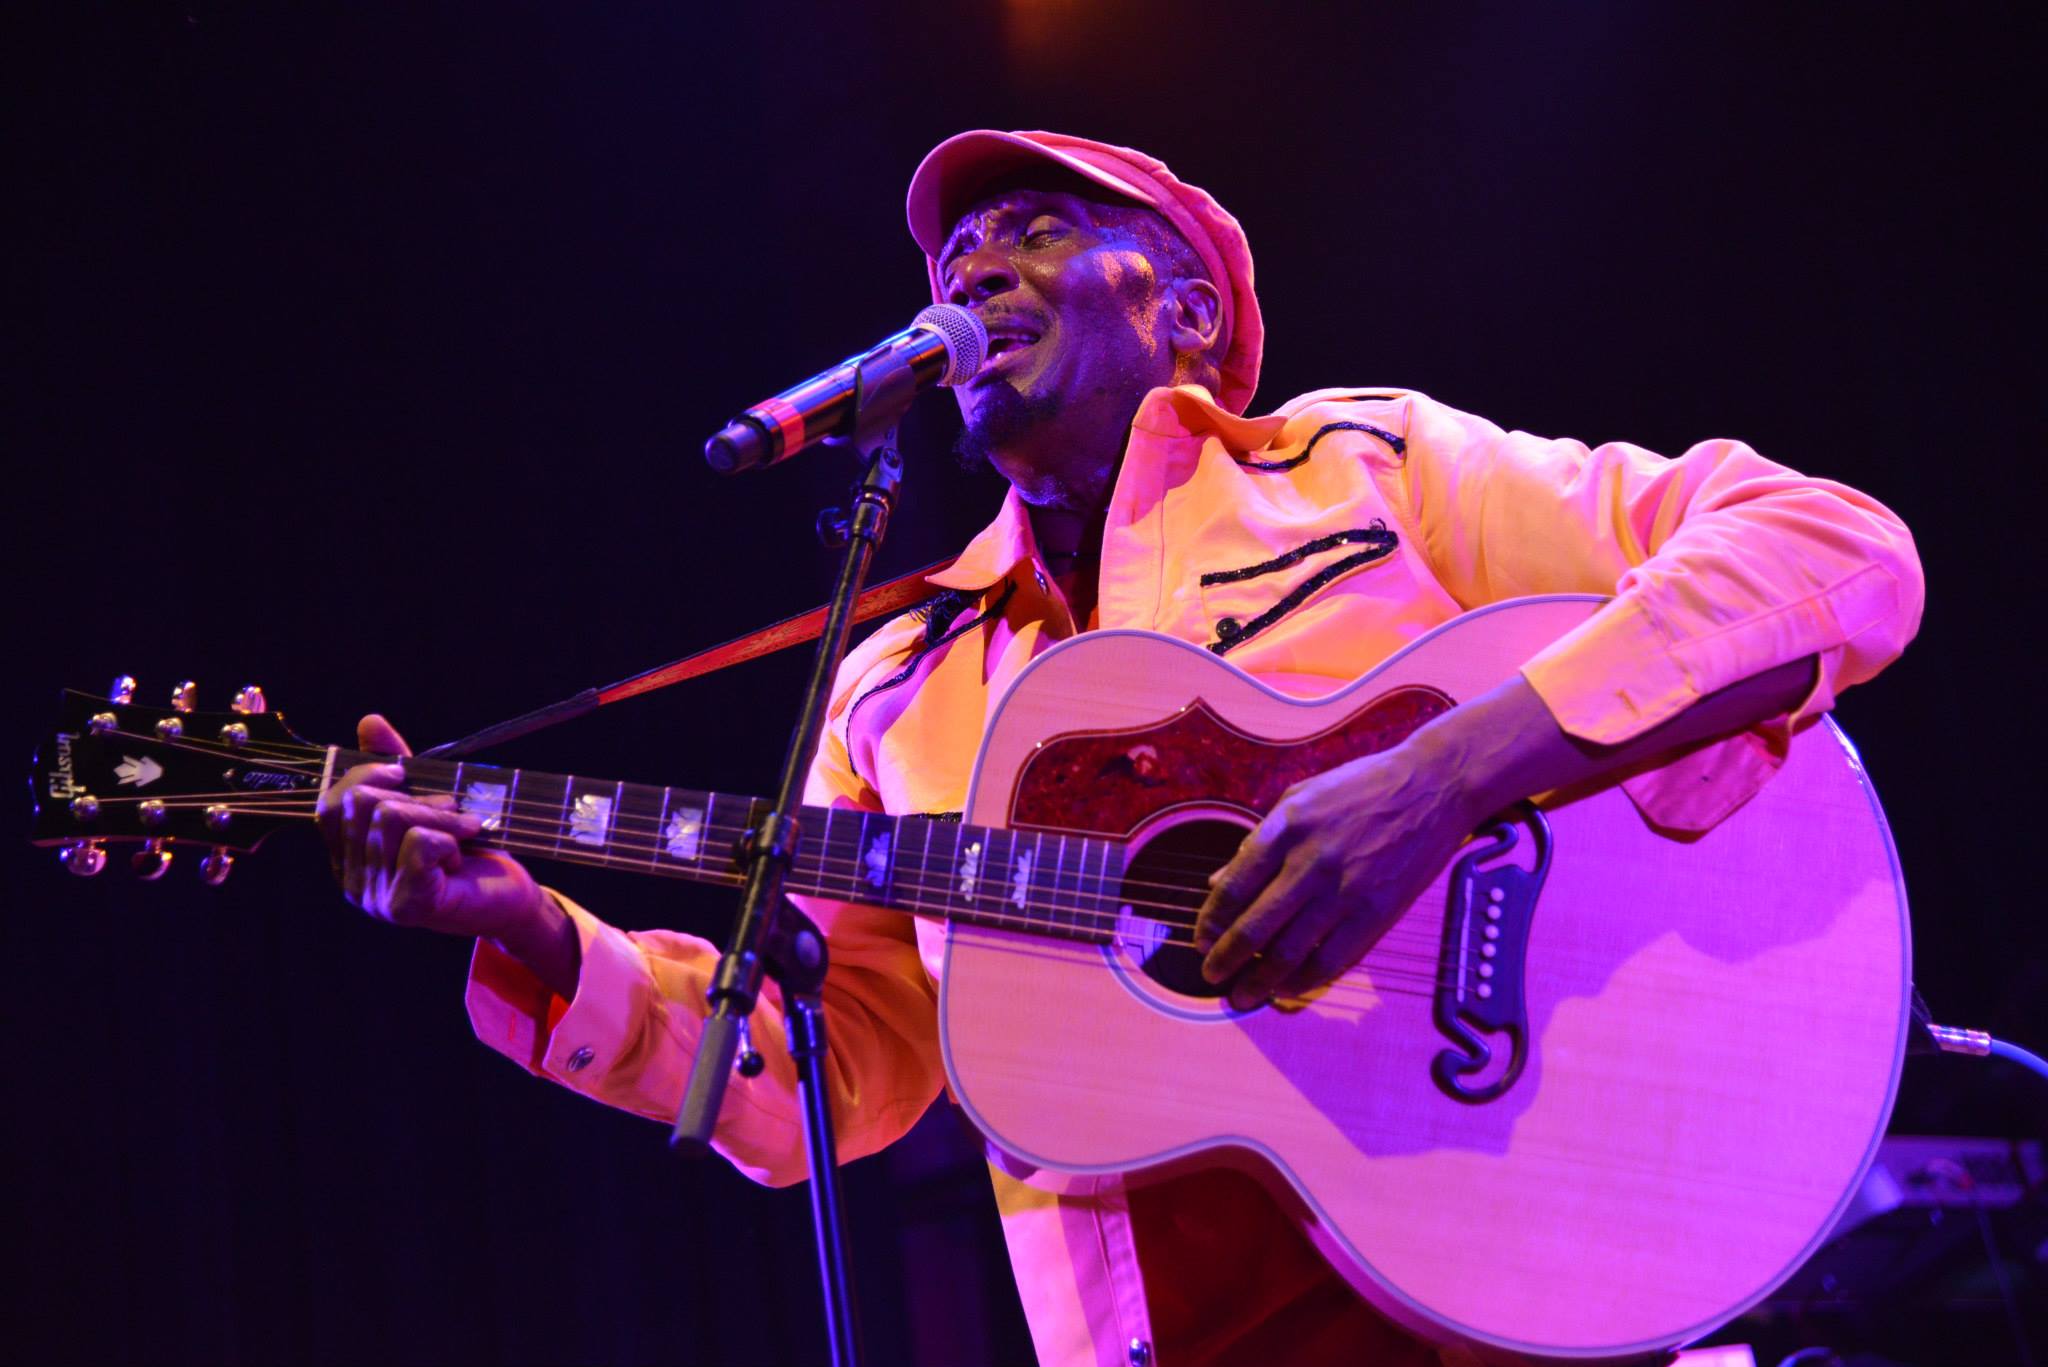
(1043, 882)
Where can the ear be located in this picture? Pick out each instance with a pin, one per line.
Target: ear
(1196, 320)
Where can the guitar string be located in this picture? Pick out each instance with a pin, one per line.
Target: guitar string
(219, 750)
(1385, 981)
(316, 756)
(543, 816)
(313, 757)
(827, 865)
(917, 890)
(1102, 925)
(828, 862)
(1003, 920)
(278, 753)
(1188, 863)
(1398, 982)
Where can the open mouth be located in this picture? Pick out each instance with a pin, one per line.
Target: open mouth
(1007, 341)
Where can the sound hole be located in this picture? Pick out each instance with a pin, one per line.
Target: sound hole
(1164, 884)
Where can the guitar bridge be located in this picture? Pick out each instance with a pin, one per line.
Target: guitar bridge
(1479, 975)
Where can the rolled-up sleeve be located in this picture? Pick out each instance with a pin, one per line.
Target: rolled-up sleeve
(628, 1037)
(1721, 564)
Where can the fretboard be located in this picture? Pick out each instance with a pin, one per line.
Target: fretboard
(1043, 882)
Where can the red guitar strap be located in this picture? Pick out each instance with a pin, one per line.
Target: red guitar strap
(878, 601)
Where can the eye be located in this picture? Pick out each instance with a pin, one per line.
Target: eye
(1043, 228)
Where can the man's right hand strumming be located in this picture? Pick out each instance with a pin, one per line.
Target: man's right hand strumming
(400, 857)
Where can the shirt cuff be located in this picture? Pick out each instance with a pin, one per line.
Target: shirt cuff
(1616, 677)
(576, 1041)
(1612, 677)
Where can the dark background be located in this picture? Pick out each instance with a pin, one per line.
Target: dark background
(363, 350)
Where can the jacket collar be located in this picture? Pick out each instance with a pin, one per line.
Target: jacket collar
(996, 550)
(1191, 411)
(1173, 414)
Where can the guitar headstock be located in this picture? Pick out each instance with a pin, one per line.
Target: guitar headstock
(118, 772)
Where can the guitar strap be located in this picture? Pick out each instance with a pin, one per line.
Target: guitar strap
(882, 600)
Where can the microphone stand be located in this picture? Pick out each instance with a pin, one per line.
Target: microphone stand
(771, 937)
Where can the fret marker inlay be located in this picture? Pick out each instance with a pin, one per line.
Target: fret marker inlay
(683, 837)
(876, 862)
(1020, 881)
(486, 802)
(590, 820)
(970, 868)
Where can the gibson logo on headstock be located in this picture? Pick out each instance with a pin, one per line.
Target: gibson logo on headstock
(247, 779)
(63, 787)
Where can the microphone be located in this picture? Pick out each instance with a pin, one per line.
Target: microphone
(945, 344)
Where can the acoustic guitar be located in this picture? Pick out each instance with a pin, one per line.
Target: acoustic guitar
(1596, 1092)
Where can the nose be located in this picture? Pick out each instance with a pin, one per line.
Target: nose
(980, 275)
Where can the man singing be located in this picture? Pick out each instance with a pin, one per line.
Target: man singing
(1304, 546)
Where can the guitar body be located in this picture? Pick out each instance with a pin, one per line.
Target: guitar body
(1644, 1112)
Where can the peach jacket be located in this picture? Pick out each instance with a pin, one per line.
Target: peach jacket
(1721, 564)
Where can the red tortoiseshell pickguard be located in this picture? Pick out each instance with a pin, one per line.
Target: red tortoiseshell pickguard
(1110, 783)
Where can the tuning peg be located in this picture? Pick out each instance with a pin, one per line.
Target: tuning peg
(152, 860)
(83, 857)
(85, 809)
(123, 690)
(216, 867)
(185, 696)
(249, 698)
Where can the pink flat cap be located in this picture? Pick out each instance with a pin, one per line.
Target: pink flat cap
(955, 173)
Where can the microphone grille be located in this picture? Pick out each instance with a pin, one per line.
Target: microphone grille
(965, 338)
